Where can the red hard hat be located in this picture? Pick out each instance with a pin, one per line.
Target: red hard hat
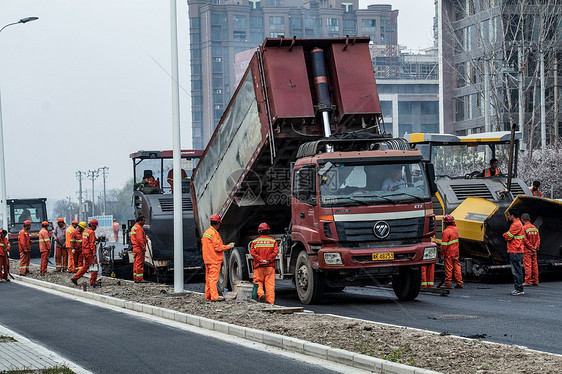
(93, 222)
(215, 218)
(263, 226)
(27, 222)
(448, 218)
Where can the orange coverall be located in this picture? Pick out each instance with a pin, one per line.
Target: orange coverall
(138, 238)
(532, 242)
(213, 249)
(68, 244)
(89, 254)
(116, 230)
(514, 237)
(24, 244)
(264, 250)
(171, 177)
(450, 253)
(4, 258)
(76, 245)
(428, 273)
(45, 249)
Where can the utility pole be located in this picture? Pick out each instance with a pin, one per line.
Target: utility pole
(521, 98)
(486, 96)
(69, 210)
(543, 103)
(93, 175)
(104, 172)
(80, 200)
(556, 134)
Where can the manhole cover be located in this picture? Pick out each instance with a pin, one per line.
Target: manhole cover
(456, 316)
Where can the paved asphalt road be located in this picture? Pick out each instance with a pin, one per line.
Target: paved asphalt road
(532, 320)
(105, 341)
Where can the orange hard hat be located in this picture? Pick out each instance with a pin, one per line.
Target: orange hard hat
(44, 223)
(448, 218)
(93, 222)
(60, 220)
(26, 222)
(215, 218)
(263, 226)
(76, 222)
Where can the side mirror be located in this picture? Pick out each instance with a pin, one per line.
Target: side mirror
(430, 171)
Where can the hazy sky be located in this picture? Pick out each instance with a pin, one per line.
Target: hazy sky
(87, 84)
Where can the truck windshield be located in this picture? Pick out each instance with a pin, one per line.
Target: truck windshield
(33, 211)
(457, 161)
(367, 184)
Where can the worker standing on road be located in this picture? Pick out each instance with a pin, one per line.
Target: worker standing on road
(4, 255)
(450, 253)
(138, 239)
(89, 243)
(24, 244)
(428, 272)
(535, 189)
(264, 250)
(493, 170)
(116, 230)
(68, 244)
(213, 249)
(515, 249)
(61, 254)
(531, 242)
(76, 246)
(44, 247)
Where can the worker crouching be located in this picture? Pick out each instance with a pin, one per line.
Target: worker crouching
(450, 253)
(213, 249)
(264, 250)
(138, 238)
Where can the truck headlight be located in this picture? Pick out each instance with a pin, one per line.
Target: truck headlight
(429, 253)
(333, 258)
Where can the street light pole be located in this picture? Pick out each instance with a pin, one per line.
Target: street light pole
(3, 197)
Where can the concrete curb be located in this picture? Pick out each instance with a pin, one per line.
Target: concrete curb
(339, 356)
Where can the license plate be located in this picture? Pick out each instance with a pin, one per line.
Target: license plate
(383, 256)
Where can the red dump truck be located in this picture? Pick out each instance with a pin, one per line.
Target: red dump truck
(302, 147)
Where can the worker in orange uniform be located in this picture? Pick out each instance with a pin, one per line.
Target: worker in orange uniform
(138, 238)
(116, 230)
(44, 247)
(76, 245)
(68, 244)
(515, 249)
(213, 249)
(531, 242)
(493, 170)
(89, 243)
(450, 253)
(535, 189)
(61, 253)
(4, 255)
(171, 177)
(264, 249)
(428, 272)
(24, 244)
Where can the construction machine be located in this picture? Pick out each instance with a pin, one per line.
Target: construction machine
(302, 147)
(20, 210)
(479, 203)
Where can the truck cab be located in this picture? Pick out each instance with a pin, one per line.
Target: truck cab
(20, 210)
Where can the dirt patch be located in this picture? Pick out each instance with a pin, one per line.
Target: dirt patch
(427, 350)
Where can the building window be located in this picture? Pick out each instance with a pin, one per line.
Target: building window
(333, 35)
(276, 34)
(194, 23)
(333, 24)
(296, 23)
(386, 108)
(256, 37)
(239, 36)
(428, 107)
(256, 22)
(308, 22)
(216, 35)
(194, 38)
(217, 19)
(430, 127)
(369, 25)
(404, 107)
(347, 7)
(349, 25)
(276, 22)
(404, 128)
(239, 21)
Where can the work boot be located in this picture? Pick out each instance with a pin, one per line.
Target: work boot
(74, 281)
(8, 280)
(262, 299)
(219, 299)
(97, 284)
(516, 293)
(459, 286)
(445, 286)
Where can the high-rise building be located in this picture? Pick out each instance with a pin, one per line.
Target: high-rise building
(221, 29)
(490, 66)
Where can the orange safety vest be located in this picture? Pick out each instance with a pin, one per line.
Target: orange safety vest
(4, 246)
(138, 237)
(23, 240)
(88, 242)
(488, 173)
(514, 237)
(532, 238)
(450, 241)
(68, 236)
(264, 248)
(44, 240)
(213, 246)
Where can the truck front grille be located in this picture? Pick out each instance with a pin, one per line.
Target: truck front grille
(401, 230)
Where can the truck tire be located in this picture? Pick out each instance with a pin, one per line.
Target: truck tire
(407, 283)
(309, 282)
(223, 276)
(237, 267)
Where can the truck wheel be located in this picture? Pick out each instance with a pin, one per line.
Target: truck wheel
(223, 276)
(407, 283)
(238, 268)
(309, 283)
